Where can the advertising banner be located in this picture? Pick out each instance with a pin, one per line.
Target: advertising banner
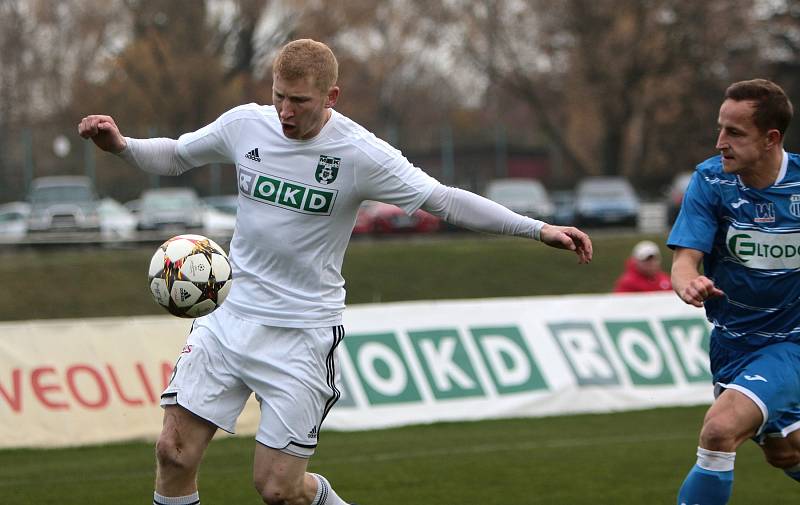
(93, 381)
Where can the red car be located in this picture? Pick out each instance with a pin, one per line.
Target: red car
(380, 218)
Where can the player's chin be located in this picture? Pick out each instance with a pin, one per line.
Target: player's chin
(729, 165)
(290, 131)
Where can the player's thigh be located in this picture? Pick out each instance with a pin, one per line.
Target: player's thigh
(731, 419)
(295, 383)
(782, 452)
(184, 437)
(276, 473)
(769, 377)
(206, 379)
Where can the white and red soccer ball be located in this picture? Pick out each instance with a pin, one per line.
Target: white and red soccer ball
(189, 275)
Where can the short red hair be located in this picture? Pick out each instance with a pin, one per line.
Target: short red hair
(305, 57)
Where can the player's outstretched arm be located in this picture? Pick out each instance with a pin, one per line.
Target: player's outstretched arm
(475, 212)
(156, 155)
(689, 284)
(570, 238)
(103, 131)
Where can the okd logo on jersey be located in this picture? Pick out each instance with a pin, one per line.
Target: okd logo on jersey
(285, 193)
(765, 251)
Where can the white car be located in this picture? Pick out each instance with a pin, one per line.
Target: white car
(176, 209)
(524, 196)
(217, 223)
(14, 221)
(219, 218)
(116, 221)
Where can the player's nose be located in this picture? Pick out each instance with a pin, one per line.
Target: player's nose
(722, 142)
(286, 111)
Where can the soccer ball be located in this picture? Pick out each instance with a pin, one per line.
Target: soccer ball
(189, 275)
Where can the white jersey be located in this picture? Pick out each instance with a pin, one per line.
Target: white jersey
(298, 201)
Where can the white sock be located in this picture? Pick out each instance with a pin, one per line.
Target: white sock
(716, 461)
(325, 493)
(192, 499)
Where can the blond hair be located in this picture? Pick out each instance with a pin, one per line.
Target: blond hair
(305, 57)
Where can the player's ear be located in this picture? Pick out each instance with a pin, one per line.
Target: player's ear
(773, 139)
(332, 97)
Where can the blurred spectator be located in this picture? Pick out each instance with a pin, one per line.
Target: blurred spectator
(643, 270)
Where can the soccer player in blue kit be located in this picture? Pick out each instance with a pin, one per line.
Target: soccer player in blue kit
(740, 218)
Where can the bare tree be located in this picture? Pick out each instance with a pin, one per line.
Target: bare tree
(44, 48)
(780, 49)
(605, 79)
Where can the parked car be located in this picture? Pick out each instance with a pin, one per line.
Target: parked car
(134, 206)
(116, 221)
(380, 218)
(177, 209)
(219, 217)
(675, 195)
(601, 201)
(63, 203)
(564, 202)
(14, 221)
(223, 203)
(524, 196)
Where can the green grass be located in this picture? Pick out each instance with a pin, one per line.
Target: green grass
(113, 282)
(631, 458)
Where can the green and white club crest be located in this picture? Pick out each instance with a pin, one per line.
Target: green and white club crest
(327, 169)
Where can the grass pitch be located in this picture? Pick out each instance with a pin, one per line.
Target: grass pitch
(632, 458)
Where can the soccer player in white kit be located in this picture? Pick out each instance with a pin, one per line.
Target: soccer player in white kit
(303, 170)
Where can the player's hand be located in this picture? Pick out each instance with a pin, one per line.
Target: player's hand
(103, 131)
(570, 238)
(698, 290)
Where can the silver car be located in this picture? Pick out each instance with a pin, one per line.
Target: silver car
(603, 201)
(524, 196)
(176, 209)
(63, 203)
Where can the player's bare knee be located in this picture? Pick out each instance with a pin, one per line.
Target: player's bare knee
(171, 454)
(718, 435)
(278, 493)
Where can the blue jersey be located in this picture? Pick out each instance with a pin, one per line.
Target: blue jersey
(751, 241)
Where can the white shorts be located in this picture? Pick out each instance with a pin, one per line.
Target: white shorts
(292, 371)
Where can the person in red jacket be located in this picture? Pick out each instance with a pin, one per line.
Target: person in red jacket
(643, 271)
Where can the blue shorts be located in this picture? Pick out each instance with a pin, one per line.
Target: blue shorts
(770, 376)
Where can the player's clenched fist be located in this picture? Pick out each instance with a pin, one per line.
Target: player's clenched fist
(103, 131)
(699, 290)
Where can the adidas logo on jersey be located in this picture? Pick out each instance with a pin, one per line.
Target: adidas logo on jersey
(253, 155)
(313, 433)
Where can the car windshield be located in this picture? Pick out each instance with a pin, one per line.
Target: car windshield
(606, 191)
(54, 194)
(516, 192)
(168, 202)
(8, 217)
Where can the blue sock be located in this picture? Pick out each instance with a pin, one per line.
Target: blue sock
(706, 487)
(793, 472)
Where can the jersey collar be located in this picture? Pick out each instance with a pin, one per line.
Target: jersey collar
(781, 172)
(784, 165)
